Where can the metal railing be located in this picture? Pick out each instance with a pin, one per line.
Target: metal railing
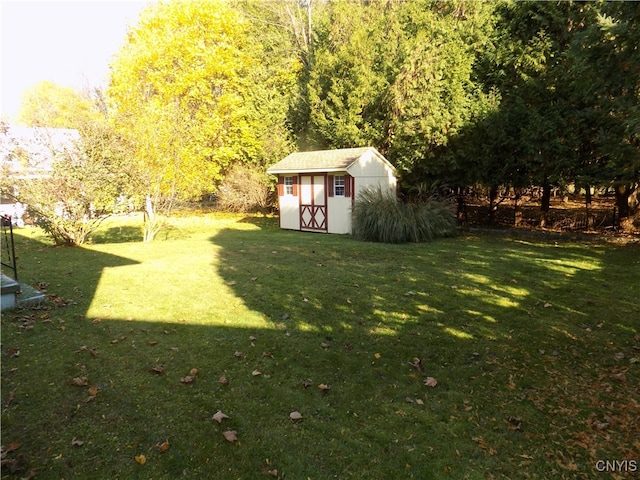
(8, 247)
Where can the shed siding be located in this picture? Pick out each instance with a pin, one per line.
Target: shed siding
(313, 188)
(339, 215)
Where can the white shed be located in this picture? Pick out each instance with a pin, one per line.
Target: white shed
(317, 190)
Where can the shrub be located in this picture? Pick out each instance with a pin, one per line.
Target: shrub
(378, 216)
(245, 190)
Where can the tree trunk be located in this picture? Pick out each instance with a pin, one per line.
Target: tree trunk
(517, 212)
(545, 205)
(493, 195)
(150, 227)
(587, 205)
(623, 192)
(462, 205)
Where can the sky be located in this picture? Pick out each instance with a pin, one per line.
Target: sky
(68, 42)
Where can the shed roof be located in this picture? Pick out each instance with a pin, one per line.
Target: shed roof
(323, 160)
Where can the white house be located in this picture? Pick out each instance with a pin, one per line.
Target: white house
(317, 190)
(29, 153)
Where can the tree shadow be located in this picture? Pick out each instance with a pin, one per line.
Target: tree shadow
(449, 289)
(119, 234)
(325, 309)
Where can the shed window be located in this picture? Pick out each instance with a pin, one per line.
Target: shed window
(338, 185)
(288, 185)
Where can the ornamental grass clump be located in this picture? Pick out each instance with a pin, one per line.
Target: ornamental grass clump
(378, 216)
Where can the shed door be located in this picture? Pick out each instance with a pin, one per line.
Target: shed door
(313, 203)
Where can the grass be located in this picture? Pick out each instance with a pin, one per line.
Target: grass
(534, 345)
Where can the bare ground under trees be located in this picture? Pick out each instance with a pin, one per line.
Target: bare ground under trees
(567, 213)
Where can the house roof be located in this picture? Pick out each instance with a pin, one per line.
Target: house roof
(323, 160)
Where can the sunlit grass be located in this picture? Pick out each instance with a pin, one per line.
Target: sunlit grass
(527, 341)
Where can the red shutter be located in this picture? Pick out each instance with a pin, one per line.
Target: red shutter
(347, 184)
(330, 185)
(280, 186)
(295, 186)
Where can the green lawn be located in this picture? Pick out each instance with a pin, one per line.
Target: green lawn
(534, 343)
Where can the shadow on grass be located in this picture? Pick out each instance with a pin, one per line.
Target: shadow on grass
(498, 323)
(119, 234)
(451, 291)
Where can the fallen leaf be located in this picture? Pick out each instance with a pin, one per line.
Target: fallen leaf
(514, 423)
(295, 415)
(96, 320)
(483, 445)
(324, 387)
(152, 343)
(11, 447)
(159, 369)
(256, 373)
(324, 345)
(548, 305)
(377, 356)
(223, 380)
(13, 352)
(238, 354)
(231, 435)
(219, 416)
(141, 459)
(417, 364)
(306, 383)
(164, 446)
(273, 473)
(89, 399)
(430, 382)
(77, 443)
(79, 381)
(187, 379)
(621, 377)
(193, 372)
(93, 390)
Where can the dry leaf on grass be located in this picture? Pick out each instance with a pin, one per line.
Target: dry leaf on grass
(11, 447)
(295, 415)
(77, 443)
(256, 373)
(79, 381)
(13, 352)
(164, 446)
(141, 459)
(219, 416)
(324, 387)
(430, 382)
(417, 364)
(159, 369)
(483, 445)
(223, 380)
(187, 380)
(231, 435)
